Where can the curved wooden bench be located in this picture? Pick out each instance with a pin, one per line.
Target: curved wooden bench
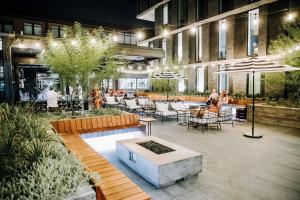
(113, 184)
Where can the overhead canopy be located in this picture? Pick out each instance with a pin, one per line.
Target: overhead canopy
(256, 65)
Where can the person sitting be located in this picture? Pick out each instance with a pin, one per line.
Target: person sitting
(224, 98)
(52, 99)
(214, 95)
(214, 107)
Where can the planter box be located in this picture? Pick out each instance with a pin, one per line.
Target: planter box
(159, 169)
(275, 115)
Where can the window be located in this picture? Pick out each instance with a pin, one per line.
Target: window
(165, 19)
(253, 25)
(200, 79)
(1, 70)
(222, 39)
(127, 83)
(57, 31)
(199, 44)
(164, 47)
(0, 44)
(2, 85)
(151, 44)
(223, 82)
(179, 47)
(202, 9)
(125, 38)
(108, 82)
(6, 26)
(32, 29)
(182, 12)
(257, 79)
(225, 5)
(142, 83)
(181, 82)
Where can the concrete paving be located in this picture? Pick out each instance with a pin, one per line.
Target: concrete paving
(234, 167)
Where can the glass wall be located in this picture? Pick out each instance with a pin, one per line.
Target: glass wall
(223, 83)
(57, 31)
(222, 38)
(133, 83)
(253, 25)
(126, 38)
(6, 26)
(199, 44)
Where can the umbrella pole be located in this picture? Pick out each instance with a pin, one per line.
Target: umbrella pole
(168, 90)
(253, 110)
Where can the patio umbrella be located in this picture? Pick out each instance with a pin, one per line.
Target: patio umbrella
(167, 75)
(251, 66)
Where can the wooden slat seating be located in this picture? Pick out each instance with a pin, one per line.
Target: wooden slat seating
(113, 184)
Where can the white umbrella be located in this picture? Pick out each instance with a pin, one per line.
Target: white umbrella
(253, 65)
(167, 75)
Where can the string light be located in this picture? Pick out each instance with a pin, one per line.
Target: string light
(139, 68)
(37, 45)
(115, 38)
(290, 17)
(193, 30)
(165, 33)
(140, 35)
(74, 42)
(93, 41)
(223, 25)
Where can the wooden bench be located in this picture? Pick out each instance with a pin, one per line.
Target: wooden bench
(113, 184)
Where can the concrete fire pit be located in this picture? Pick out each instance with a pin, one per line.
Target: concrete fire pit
(175, 164)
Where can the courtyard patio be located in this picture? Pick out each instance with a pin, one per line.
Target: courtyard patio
(234, 167)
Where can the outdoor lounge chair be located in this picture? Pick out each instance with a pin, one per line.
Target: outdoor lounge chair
(162, 110)
(225, 115)
(208, 118)
(132, 106)
(143, 102)
(110, 101)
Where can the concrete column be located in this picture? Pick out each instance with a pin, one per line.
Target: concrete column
(262, 31)
(7, 61)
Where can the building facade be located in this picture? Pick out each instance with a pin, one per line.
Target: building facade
(22, 39)
(204, 35)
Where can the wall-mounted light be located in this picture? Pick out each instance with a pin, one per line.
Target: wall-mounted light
(290, 16)
(115, 38)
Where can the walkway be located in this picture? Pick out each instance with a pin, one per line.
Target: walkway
(234, 167)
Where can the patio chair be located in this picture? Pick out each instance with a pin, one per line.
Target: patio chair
(143, 102)
(110, 101)
(162, 110)
(132, 106)
(122, 104)
(225, 115)
(207, 118)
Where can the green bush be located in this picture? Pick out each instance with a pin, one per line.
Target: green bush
(34, 163)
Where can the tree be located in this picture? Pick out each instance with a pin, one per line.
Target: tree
(287, 45)
(80, 53)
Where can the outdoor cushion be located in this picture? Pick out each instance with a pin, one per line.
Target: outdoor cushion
(111, 100)
(131, 104)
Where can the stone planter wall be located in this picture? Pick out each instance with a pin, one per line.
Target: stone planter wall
(275, 115)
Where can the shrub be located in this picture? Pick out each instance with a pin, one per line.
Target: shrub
(34, 163)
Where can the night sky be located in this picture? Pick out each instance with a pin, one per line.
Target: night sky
(95, 12)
